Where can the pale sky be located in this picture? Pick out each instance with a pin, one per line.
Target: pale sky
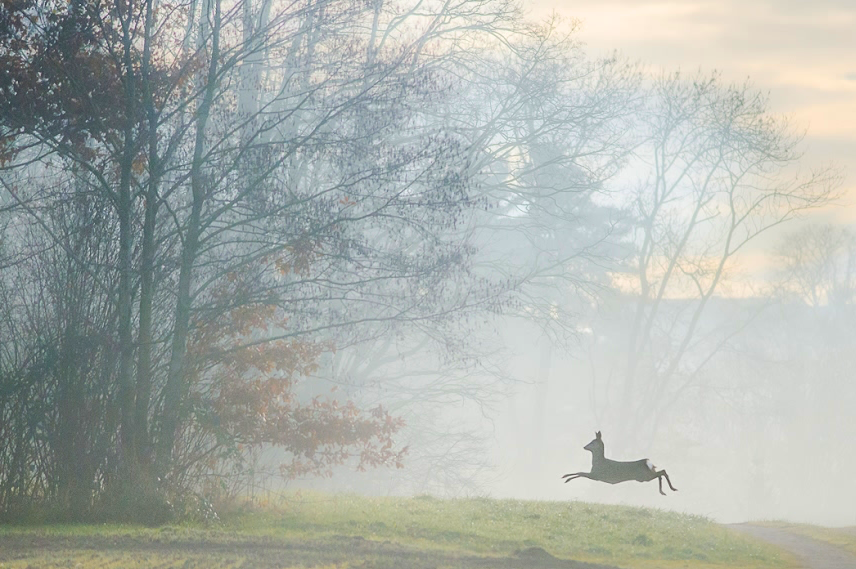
(802, 51)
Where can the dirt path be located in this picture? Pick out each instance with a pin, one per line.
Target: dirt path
(23, 550)
(812, 553)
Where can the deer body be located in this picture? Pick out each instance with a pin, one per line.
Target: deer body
(613, 471)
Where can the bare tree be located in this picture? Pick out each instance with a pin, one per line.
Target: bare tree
(817, 264)
(544, 128)
(549, 128)
(716, 171)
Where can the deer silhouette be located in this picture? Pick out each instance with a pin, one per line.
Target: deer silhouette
(613, 471)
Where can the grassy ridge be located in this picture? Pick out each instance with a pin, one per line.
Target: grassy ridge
(315, 530)
(590, 532)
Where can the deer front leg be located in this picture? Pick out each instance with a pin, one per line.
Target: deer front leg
(569, 477)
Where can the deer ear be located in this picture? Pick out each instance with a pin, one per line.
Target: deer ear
(597, 435)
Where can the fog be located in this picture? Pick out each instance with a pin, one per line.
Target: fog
(764, 432)
(765, 428)
(409, 247)
(748, 442)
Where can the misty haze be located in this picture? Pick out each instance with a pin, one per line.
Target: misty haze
(422, 283)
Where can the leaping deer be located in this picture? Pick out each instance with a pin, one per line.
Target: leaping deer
(613, 471)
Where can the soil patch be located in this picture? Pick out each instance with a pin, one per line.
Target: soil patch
(255, 552)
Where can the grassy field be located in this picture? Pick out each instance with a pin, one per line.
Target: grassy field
(313, 530)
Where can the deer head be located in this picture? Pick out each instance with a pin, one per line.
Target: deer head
(596, 446)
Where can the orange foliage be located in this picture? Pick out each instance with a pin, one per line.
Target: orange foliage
(245, 383)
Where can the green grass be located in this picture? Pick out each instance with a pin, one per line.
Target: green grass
(316, 530)
(574, 530)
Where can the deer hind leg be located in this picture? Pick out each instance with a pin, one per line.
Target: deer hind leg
(669, 482)
(569, 477)
(660, 475)
(660, 482)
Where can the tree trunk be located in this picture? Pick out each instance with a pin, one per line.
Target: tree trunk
(174, 390)
(147, 258)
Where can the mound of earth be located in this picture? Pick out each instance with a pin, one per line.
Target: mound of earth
(540, 558)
